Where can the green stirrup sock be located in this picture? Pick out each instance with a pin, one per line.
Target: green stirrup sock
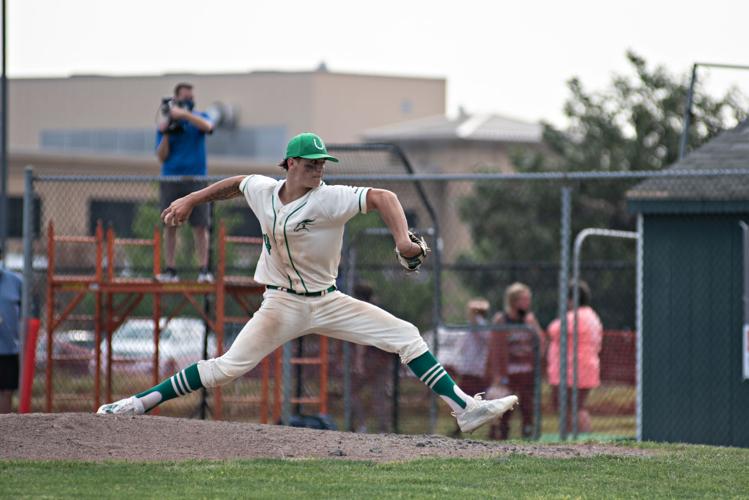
(431, 372)
(180, 384)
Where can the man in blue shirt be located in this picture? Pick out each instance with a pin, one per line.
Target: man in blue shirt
(181, 150)
(10, 319)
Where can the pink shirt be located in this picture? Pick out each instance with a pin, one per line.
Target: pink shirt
(589, 337)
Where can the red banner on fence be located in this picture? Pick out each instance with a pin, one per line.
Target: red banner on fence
(29, 363)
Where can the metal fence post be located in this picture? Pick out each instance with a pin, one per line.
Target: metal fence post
(437, 315)
(349, 270)
(564, 257)
(579, 240)
(4, 134)
(347, 421)
(203, 411)
(537, 380)
(28, 254)
(575, 352)
(638, 321)
(286, 376)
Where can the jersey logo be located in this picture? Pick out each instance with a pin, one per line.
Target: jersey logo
(267, 242)
(302, 226)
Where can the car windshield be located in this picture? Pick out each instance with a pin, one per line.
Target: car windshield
(177, 328)
(139, 330)
(182, 338)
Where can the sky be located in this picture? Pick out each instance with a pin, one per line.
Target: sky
(511, 58)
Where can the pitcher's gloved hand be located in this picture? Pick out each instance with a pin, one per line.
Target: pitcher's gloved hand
(412, 264)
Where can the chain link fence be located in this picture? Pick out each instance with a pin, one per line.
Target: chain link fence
(488, 232)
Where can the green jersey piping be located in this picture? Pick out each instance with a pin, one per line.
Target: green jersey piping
(288, 250)
(273, 206)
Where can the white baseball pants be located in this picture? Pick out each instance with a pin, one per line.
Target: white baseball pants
(283, 317)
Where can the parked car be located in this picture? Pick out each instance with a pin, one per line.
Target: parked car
(180, 344)
(71, 349)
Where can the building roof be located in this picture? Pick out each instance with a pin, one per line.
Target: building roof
(476, 127)
(728, 150)
(174, 76)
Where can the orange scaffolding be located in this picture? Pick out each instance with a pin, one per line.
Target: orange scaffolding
(321, 360)
(115, 299)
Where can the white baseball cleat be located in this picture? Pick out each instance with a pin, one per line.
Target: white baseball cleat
(127, 406)
(480, 411)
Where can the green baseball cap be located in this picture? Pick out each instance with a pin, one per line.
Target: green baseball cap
(309, 146)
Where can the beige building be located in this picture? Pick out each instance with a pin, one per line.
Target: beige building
(105, 125)
(337, 106)
(463, 144)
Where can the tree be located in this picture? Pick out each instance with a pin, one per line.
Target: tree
(633, 124)
(636, 123)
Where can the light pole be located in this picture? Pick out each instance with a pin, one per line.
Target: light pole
(4, 138)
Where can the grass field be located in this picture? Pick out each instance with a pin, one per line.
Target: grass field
(674, 471)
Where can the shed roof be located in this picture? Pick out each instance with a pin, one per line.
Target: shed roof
(728, 150)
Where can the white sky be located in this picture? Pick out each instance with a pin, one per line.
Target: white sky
(498, 56)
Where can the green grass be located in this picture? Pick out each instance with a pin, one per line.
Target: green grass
(675, 471)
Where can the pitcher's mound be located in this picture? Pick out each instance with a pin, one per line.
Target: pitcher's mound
(84, 436)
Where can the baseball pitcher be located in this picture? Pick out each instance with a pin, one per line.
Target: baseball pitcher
(303, 221)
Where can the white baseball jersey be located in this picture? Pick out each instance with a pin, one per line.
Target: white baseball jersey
(303, 239)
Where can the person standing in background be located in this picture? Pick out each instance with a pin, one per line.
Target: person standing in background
(10, 321)
(516, 348)
(589, 341)
(180, 147)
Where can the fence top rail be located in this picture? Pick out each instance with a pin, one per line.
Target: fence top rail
(532, 176)
(721, 65)
(133, 241)
(75, 239)
(492, 327)
(497, 327)
(609, 233)
(247, 240)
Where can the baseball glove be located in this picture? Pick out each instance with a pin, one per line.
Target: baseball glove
(412, 264)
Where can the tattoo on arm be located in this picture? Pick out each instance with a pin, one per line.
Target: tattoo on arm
(225, 193)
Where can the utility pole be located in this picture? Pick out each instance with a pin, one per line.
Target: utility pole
(4, 137)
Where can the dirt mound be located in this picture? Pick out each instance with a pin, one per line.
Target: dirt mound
(83, 436)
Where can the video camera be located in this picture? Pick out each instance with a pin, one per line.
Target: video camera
(167, 104)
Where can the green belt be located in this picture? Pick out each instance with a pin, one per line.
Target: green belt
(304, 294)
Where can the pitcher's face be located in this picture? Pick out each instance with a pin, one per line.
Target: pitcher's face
(308, 173)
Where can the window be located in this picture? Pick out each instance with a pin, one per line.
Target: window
(14, 218)
(121, 141)
(120, 213)
(261, 142)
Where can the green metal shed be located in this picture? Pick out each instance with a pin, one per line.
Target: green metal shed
(692, 385)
